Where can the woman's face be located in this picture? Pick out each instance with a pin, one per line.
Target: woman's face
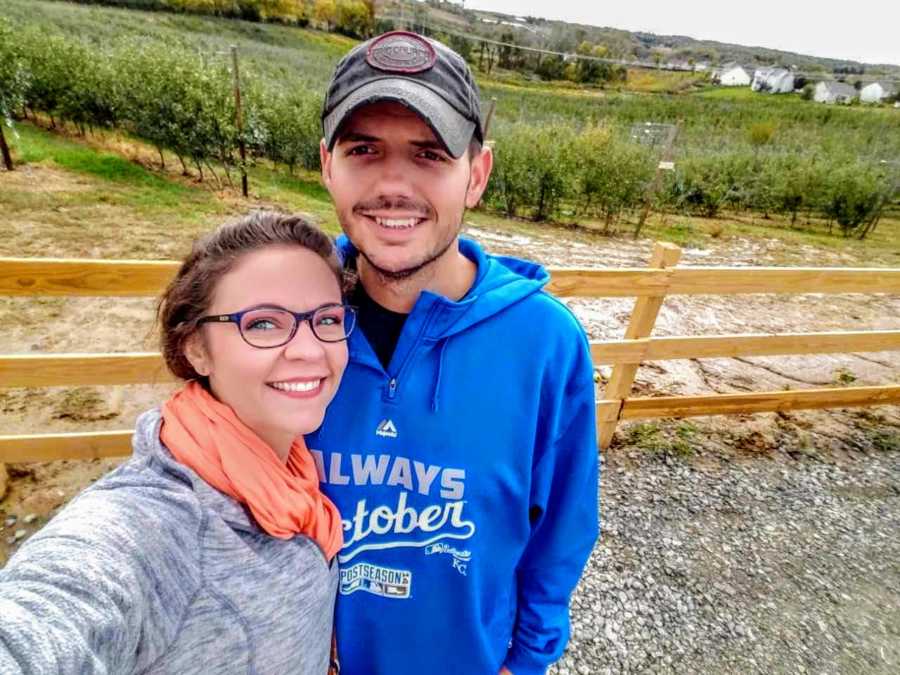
(282, 392)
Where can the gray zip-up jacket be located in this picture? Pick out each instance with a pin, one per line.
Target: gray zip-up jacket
(151, 570)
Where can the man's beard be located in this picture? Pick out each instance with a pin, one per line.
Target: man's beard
(426, 211)
(409, 272)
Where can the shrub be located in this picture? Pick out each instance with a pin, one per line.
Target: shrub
(702, 185)
(14, 74)
(612, 173)
(852, 195)
(286, 127)
(534, 169)
(761, 133)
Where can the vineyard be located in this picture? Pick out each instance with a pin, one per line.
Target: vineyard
(567, 155)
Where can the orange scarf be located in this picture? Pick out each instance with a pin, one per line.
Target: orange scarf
(206, 436)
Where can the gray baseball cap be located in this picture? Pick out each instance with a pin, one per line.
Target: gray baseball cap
(422, 74)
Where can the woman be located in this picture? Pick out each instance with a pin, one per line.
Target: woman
(212, 549)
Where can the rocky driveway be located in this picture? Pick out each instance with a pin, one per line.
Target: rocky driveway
(766, 565)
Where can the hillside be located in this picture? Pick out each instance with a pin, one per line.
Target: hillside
(564, 37)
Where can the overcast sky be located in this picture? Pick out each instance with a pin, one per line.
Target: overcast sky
(861, 30)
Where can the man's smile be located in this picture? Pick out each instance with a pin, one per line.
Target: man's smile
(396, 222)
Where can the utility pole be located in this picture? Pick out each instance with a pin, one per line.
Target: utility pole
(239, 122)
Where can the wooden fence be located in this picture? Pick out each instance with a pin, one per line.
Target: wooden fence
(47, 277)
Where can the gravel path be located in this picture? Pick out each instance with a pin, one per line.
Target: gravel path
(772, 565)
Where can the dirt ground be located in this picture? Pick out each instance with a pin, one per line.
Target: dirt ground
(118, 325)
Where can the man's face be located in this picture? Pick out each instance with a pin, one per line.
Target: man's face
(399, 196)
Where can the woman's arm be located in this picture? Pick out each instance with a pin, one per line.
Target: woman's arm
(102, 588)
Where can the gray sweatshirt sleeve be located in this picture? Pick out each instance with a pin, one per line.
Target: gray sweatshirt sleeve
(103, 587)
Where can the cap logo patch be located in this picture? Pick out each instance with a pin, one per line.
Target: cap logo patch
(401, 52)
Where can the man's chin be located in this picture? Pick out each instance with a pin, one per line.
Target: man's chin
(399, 264)
(396, 271)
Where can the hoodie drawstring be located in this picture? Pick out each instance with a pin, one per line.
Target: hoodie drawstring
(435, 398)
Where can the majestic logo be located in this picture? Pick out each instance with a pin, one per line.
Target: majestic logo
(383, 581)
(401, 52)
(386, 429)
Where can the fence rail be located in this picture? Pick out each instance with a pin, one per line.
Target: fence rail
(51, 277)
(66, 370)
(124, 278)
(718, 346)
(56, 277)
(637, 282)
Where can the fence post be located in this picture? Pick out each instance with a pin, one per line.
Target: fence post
(643, 318)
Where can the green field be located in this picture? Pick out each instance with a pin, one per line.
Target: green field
(564, 153)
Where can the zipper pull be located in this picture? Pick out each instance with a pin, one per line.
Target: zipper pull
(392, 387)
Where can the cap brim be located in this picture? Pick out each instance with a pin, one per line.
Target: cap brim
(451, 128)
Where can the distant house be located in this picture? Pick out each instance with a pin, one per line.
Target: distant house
(833, 92)
(732, 75)
(877, 92)
(773, 80)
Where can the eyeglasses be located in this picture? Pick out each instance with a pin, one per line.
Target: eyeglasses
(269, 326)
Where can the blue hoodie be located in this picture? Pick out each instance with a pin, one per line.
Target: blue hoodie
(466, 475)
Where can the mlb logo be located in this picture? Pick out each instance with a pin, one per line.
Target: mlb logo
(386, 429)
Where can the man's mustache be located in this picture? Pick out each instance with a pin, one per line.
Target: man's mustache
(386, 203)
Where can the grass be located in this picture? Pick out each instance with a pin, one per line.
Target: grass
(682, 232)
(844, 377)
(663, 81)
(33, 146)
(88, 200)
(93, 188)
(886, 441)
(882, 247)
(81, 404)
(106, 195)
(302, 192)
(739, 94)
(662, 438)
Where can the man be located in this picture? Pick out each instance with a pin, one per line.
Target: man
(461, 446)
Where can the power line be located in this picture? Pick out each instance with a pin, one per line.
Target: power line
(568, 56)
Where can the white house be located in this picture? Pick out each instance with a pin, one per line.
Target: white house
(732, 75)
(773, 80)
(834, 92)
(877, 92)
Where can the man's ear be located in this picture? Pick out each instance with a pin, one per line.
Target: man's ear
(480, 166)
(197, 355)
(325, 161)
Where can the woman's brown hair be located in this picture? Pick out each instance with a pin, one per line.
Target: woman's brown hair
(189, 294)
